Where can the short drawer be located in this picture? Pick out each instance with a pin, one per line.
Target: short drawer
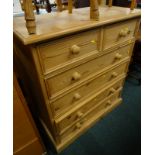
(98, 111)
(118, 33)
(73, 98)
(62, 51)
(75, 115)
(79, 73)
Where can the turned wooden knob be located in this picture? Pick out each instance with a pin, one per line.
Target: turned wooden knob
(79, 114)
(76, 76)
(78, 125)
(108, 103)
(124, 32)
(118, 56)
(114, 74)
(127, 30)
(75, 49)
(77, 96)
(112, 90)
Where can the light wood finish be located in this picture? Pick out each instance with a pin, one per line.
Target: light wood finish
(29, 17)
(74, 68)
(90, 114)
(74, 47)
(70, 6)
(110, 3)
(98, 114)
(65, 121)
(83, 91)
(59, 5)
(94, 10)
(26, 139)
(51, 26)
(133, 4)
(77, 74)
(119, 32)
(101, 2)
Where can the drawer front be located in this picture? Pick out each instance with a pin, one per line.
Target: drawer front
(63, 104)
(77, 74)
(88, 104)
(118, 33)
(61, 51)
(93, 115)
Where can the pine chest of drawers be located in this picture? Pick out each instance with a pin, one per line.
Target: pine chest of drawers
(73, 69)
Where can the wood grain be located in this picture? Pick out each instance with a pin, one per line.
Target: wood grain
(70, 6)
(64, 80)
(133, 4)
(29, 17)
(84, 91)
(60, 24)
(90, 114)
(112, 33)
(110, 3)
(94, 10)
(51, 54)
(59, 5)
(74, 68)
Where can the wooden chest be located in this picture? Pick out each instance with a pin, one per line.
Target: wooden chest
(73, 68)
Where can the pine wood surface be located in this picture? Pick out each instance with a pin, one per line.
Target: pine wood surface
(79, 94)
(73, 76)
(74, 68)
(57, 24)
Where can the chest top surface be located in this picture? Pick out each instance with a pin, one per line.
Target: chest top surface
(57, 24)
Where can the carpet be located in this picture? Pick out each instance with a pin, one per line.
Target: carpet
(119, 133)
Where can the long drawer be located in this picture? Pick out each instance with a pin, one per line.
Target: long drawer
(74, 115)
(118, 33)
(73, 76)
(61, 51)
(102, 107)
(63, 103)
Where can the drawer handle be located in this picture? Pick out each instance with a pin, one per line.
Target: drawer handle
(118, 87)
(83, 120)
(127, 30)
(124, 32)
(77, 96)
(78, 125)
(76, 76)
(118, 56)
(114, 74)
(79, 114)
(75, 49)
(112, 90)
(108, 103)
